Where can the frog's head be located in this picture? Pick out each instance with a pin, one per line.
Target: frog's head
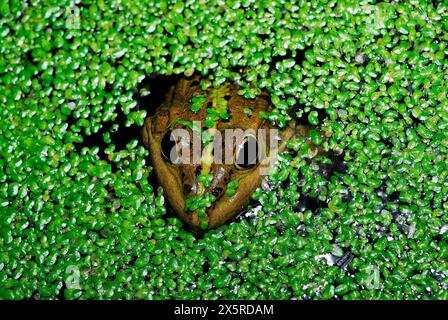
(187, 105)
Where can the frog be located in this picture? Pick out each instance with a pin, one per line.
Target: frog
(221, 109)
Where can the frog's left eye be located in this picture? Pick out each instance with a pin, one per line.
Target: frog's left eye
(246, 156)
(168, 148)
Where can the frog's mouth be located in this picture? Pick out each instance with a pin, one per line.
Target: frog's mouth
(180, 181)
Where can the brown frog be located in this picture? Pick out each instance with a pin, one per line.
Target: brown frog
(216, 110)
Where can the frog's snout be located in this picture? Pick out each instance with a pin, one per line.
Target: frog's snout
(221, 176)
(192, 187)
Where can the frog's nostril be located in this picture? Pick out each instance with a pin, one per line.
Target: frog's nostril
(217, 191)
(187, 188)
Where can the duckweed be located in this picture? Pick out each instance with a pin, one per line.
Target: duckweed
(80, 217)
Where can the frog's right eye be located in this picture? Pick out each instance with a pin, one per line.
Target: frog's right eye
(169, 148)
(247, 154)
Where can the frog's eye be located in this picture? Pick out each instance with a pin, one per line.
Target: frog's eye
(168, 148)
(246, 156)
(175, 146)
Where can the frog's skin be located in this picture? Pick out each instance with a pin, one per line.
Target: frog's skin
(179, 181)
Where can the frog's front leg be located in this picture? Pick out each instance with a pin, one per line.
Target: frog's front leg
(303, 132)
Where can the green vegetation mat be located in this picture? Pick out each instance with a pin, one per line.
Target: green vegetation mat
(79, 217)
